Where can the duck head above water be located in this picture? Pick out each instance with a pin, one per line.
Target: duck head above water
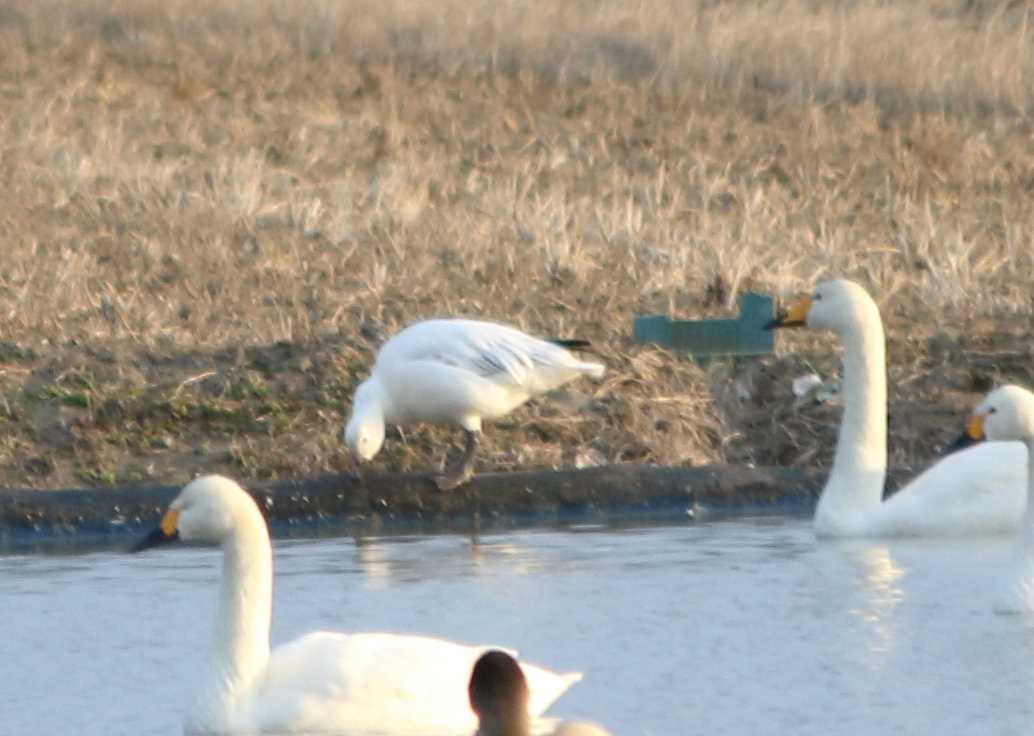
(499, 695)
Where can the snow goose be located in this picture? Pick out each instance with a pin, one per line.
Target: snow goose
(457, 371)
(323, 681)
(977, 491)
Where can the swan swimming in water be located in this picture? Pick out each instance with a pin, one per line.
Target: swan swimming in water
(499, 696)
(981, 490)
(1008, 414)
(324, 681)
(457, 371)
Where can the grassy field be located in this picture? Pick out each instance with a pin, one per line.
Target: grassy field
(212, 214)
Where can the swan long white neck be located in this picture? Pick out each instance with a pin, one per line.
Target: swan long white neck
(1017, 588)
(855, 485)
(240, 641)
(373, 403)
(1028, 515)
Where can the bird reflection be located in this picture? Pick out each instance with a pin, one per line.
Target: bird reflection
(387, 561)
(375, 562)
(880, 595)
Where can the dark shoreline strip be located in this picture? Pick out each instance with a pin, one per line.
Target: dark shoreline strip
(394, 503)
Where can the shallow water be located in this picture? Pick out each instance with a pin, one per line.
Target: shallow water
(748, 626)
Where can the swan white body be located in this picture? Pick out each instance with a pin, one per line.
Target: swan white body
(455, 371)
(1008, 414)
(374, 683)
(323, 681)
(981, 490)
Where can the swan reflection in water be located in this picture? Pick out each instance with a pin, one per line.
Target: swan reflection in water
(879, 577)
(385, 561)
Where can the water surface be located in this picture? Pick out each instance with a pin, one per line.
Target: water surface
(735, 627)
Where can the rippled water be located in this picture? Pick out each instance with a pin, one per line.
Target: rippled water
(736, 627)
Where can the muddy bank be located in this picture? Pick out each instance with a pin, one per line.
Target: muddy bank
(409, 502)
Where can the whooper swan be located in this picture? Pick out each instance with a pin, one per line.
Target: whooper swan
(324, 681)
(982, 490)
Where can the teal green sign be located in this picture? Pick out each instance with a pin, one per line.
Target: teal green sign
(712, 338)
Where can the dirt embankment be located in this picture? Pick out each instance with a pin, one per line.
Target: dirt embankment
(213, 215)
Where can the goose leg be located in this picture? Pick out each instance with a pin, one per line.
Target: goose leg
(354, 474)
(462, 471)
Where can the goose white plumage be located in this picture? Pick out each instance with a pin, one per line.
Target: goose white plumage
(456, 371)
(1007, 413)
(981, 490)
(323, 681)
(498, 694)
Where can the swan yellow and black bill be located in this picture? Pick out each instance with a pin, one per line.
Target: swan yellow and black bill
(796, 315)
(164, 533)
(974, 433)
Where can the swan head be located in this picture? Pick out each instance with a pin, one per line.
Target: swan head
(838, 305)
(1007, 413)
(208, 510)
(499, 695)
(364, 432)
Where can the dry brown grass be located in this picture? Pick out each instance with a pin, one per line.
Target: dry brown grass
(212, 213)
